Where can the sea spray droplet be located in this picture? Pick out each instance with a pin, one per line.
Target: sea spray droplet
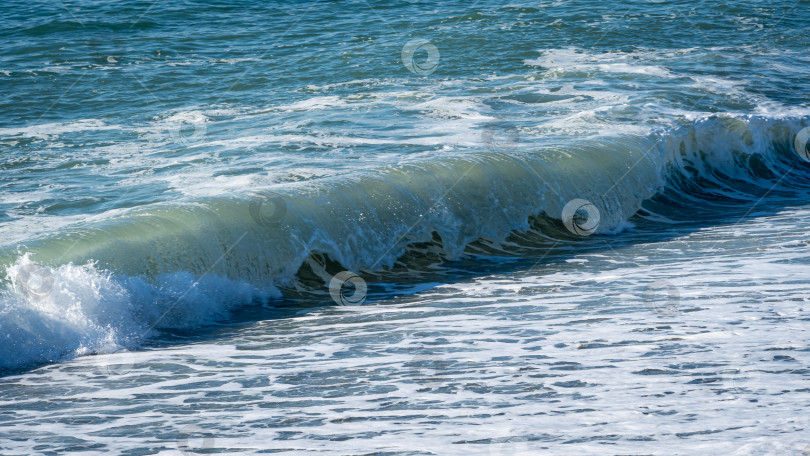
(348, 288)
(580, 217)
(417, 46)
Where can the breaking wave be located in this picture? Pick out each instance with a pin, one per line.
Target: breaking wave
(108, 286)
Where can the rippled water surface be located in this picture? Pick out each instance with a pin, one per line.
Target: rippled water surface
(418, 228)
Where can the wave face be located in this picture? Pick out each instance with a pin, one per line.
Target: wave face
(727, 158)
(110, 284)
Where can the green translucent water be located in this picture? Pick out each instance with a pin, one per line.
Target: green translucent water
(563, 227)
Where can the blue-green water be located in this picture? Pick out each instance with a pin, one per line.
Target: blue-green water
(564, 227)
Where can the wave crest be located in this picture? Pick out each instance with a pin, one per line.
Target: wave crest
(107, 286)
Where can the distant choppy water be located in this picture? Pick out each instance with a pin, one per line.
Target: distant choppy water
(371, 228)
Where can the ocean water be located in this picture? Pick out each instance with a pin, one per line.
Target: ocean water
(415, 228)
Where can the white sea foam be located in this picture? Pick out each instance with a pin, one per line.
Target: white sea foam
(575, 59)
(52, 130)
(56, 313)
(563, 355)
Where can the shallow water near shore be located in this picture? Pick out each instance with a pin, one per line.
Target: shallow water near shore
(367, 228)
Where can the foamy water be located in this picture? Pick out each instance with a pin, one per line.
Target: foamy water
(565, 228)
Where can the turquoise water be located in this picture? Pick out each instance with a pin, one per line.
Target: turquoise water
(375, 228)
